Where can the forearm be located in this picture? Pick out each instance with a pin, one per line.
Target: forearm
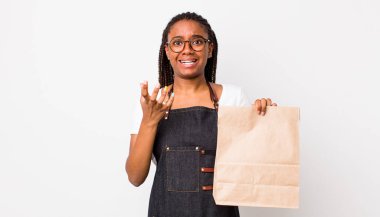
(140, 154)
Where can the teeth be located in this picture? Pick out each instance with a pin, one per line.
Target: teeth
(187, 62)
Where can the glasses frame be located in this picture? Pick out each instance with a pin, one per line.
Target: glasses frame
(184, 44)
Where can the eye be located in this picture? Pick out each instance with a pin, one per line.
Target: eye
(177, 43)
(197, 41)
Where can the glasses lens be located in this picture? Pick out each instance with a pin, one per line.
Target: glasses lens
(197, 44)
(177, 45)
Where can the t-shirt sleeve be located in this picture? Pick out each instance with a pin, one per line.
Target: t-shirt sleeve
(243, 98)
(136, 117)
(233, 96)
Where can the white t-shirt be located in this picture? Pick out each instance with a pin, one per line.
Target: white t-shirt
(231, 96)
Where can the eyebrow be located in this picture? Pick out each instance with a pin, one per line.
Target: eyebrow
(193, 36)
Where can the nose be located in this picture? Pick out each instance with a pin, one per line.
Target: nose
(187, 47)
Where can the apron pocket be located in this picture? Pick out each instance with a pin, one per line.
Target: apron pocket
(182, 168)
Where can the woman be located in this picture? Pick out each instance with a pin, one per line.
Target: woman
(181, 131)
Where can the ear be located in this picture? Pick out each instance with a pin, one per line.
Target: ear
(167, 50)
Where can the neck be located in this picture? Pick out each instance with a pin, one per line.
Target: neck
(188, 86)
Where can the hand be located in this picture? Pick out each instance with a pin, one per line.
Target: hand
(261, 105)
(153, 109)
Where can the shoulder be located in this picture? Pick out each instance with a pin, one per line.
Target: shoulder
(231, 95)
(218, 88)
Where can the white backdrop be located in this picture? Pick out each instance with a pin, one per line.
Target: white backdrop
(70, 70)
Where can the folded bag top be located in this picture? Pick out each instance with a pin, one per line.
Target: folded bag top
(257, 157)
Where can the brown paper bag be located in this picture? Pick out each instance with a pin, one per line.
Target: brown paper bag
(257, 157)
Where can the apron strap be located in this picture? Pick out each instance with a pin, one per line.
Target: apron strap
(213, 96)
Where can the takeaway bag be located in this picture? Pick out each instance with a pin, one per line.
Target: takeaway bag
(257, 157)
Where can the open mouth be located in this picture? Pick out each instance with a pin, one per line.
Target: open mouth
(188, 62)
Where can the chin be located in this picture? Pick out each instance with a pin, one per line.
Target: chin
(189, 74)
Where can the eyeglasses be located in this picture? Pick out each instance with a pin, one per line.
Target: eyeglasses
(197, 44)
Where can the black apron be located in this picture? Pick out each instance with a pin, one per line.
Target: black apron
(184, 148)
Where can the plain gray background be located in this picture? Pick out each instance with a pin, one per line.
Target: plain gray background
(70, 71)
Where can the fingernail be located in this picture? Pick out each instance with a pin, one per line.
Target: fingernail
(166, 87)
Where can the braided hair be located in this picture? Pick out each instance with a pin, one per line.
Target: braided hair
(165, 70)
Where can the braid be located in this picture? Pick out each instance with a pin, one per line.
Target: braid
(165, 71)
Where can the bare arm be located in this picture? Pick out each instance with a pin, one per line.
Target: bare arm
(140, 153)
(141, 144)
